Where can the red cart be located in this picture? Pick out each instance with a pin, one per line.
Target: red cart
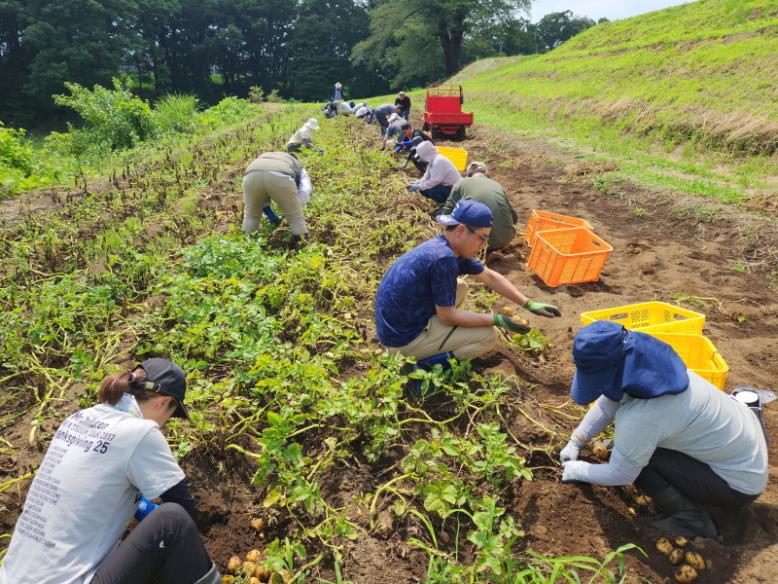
(443, 113)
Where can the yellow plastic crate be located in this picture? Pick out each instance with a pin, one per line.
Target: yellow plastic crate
(699, 354)
(456, 155)
(650, 317)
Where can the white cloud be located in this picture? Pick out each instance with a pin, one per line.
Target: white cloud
(596, 9)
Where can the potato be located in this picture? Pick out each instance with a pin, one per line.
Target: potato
(508, 311)
(685, 574)
(233, 564)
(631, 512)
(695, 560)
(600, 452)
(643, 500)
(676, 556)
(254, 556)
(262, 573)
(258, 524)
(247, 569)
(253, 580)
(681, 541)
(664, 546)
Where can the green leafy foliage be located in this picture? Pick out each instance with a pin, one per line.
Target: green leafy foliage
(114, 119)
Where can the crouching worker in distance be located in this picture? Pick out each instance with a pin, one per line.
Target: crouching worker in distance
(303, 138)
(477, 186)
(439, 176)
(677, 437)
(278, 177)
(101, 463)
(417, 305)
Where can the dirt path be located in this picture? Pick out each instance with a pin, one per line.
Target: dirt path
(660, 253)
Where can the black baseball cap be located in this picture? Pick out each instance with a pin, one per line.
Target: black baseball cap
(166, 378)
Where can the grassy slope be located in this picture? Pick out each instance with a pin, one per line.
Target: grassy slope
(683, 98)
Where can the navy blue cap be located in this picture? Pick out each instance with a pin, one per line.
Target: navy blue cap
(470, 213)
(612, 361)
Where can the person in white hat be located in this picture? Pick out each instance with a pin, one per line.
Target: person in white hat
(303, 137)
(337, 95)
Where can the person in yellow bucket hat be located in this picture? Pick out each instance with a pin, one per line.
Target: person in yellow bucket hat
(677, 437)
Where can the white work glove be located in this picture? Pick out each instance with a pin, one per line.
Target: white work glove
(571, 451)
(574, 471)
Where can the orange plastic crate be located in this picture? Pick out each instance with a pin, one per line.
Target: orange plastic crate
(568, 256)
(546, 220)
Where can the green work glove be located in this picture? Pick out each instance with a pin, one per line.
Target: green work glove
(508, 323)
(547, 310)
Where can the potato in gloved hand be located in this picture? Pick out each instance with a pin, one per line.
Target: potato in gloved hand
(512, 325)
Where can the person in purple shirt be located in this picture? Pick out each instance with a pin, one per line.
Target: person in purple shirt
(416, 308)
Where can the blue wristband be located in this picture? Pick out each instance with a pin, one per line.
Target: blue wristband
(144, 508)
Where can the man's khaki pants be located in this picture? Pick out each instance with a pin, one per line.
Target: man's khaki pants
(259, 187)
(437, 338)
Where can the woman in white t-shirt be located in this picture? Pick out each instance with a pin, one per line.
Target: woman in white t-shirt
(677, 437)
(101, 462)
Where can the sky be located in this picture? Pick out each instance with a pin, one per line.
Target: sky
(596, 9)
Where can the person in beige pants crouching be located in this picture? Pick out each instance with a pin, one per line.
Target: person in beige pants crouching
(276, 177)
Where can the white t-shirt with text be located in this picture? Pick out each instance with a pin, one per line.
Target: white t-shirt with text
(85, 493)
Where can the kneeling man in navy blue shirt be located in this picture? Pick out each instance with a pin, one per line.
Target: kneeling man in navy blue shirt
(417, 305)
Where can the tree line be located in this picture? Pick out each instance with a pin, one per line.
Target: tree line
(213, 48)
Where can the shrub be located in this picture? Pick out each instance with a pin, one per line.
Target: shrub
(15, 150)
(228, 110)
(16, 159)
(256, 95)
(115, 118)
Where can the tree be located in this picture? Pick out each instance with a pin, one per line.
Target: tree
(15, 58)
(81, 41)
(324, 34)
(401, 28)
(555, 28)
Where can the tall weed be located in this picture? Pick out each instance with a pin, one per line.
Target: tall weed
(176, 114)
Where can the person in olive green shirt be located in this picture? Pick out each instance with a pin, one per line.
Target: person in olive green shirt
(479, 187)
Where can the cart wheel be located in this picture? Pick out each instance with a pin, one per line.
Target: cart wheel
(461, 133)
(425, 127)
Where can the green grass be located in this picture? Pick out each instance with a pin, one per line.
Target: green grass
(680, 99)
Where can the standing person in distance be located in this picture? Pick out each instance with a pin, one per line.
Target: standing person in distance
(337, 93)
(403, 102)
(101, 461)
